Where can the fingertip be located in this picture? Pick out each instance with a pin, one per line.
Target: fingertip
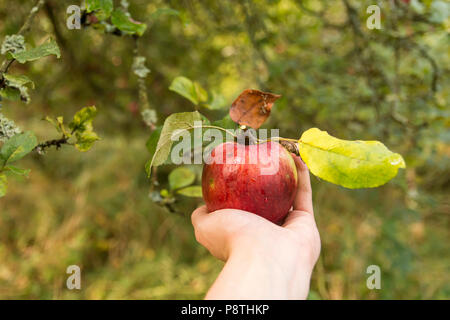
(303, 198)
(301, 166)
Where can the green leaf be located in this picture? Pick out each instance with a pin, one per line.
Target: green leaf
(46, 49)
(82, 128)
(126, 24)
(192, 191)
(174, 123)
(3, 182)
(152, 141)
(189, 89)
(17, 171)
(17, 147)
(102, 8)
(351, 164)
(20, 83)
(17, 81)
(181, 177)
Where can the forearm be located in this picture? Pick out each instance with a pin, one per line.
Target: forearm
(255, 274)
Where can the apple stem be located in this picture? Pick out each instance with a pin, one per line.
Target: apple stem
(290, 145)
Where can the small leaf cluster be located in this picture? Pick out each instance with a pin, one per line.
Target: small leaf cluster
(181, 182)
(80, 128)
(114, 20)
(15, 144)
(15, 87)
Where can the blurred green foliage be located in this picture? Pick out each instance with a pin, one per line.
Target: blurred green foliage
(95, 209)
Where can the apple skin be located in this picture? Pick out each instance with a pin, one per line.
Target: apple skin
(239, 184)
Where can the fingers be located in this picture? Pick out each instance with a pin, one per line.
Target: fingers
(301, 218)
(303, 198)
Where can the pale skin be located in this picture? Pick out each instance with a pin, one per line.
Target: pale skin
(262, 260)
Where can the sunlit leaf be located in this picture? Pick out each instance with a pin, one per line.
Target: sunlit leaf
(82, 128)
(351, 164)
(58, 123)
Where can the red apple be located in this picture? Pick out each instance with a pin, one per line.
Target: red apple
(260, 178)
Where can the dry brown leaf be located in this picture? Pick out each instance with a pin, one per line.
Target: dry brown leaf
(252, 107)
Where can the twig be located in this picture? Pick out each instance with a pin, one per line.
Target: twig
(353, 19)
(142, 88)
(40, 148)
(26, 26)
(434, 66)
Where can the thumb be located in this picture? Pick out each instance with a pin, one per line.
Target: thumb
(303, 198)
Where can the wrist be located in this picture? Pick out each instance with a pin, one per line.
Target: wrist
(284, 272)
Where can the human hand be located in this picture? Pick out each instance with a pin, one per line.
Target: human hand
(264, 260)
